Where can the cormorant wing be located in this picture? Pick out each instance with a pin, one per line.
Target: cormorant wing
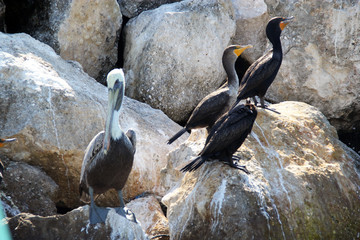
(256, 75)
(209, 107)
(229, 129)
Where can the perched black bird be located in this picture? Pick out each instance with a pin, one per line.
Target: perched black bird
(110, 154)
(2, 143)
(259, 76)
(226, 136)
(211, 107)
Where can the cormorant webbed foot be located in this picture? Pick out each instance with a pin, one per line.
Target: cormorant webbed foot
(235, 165)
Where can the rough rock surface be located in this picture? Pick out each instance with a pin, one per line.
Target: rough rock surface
(90, 35)
(55, 109)
(74, 225)
(148, 211)
(251, 19)
(132, 8)
(87, 32)
(28, 189)
(175, 51)
(321, 66)
(303, 184)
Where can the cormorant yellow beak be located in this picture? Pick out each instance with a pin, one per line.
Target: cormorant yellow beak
(240, 49)
(285, 22)
(3, 141)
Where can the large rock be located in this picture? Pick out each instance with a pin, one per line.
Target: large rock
(80, 30)
(251, 19)
(55, 109)
(321, 65)
(28, 189)
(132, 8)
(90, 35)
(303, 183)
(149, 213)
(73, 225)
(173, 54)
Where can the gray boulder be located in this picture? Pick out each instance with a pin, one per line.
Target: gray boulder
(132, 8)
(28, 189)
(73, 225)
(321, 66)
(173, 54)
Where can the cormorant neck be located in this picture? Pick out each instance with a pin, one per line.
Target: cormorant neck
(233, 79)
(277, 49)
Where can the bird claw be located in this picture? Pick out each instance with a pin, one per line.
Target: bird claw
(269, 109)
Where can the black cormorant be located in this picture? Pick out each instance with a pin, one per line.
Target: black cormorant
(3, 141)
(259, 76)
(218, 102)
(109, 156)
(226, 136)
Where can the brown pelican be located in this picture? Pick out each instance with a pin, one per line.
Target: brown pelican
(218, 102)
(109, 156)
(226, 136)
(3, 141)
(259, 76)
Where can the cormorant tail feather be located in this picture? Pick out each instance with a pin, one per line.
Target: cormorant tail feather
(176, 136)
(195, 164)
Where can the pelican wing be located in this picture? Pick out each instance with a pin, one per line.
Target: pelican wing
(91, 151)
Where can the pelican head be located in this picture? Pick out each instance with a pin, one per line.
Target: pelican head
(116, 91)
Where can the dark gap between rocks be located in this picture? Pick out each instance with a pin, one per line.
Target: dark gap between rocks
(121, 46)
(351, 139)
(61, 209)
(24, 15)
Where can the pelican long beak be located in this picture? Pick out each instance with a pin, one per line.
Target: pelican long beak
(115, 97)
(285, 22)
(241, 48)
(3, 141)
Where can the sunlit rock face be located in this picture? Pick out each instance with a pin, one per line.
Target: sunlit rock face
(80, 30)
(150, 215)
(90, 35)
(54, 109)
(132, 8)
(74, 225)
(321, 62)
(251, 19)
(303, 183)
(173, 54)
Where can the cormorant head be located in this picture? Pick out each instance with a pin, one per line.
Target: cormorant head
(233, 51)
(116, 87)
(276, 25)
(3, 141)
